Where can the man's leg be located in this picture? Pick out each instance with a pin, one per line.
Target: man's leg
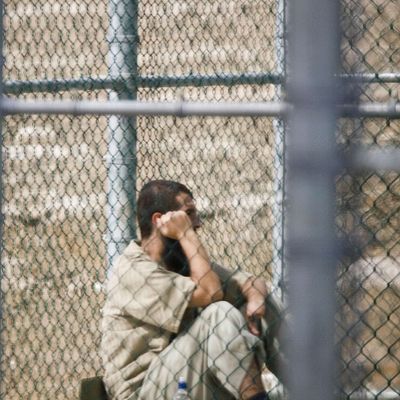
(215, 355)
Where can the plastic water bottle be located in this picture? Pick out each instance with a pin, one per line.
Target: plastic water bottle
(181, 393)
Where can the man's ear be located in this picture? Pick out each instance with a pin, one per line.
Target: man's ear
(154, 218)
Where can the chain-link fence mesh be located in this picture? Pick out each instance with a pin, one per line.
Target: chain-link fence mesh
(56, 171)
(369, 280)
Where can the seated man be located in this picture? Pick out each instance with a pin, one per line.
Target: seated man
(170, 312)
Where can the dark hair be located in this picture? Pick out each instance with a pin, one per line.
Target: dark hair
(157, 196)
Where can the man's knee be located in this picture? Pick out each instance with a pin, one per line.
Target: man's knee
(217, 307)
(221, 311)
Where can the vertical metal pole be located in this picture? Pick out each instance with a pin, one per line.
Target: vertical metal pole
(313, 51)
(123, 38)
(279, 128)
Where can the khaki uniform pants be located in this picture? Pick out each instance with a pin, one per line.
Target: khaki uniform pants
(213, 355)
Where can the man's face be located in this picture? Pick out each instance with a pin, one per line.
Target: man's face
(173, 255)
(188, 205)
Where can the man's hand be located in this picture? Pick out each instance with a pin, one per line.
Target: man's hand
(255, 311)
(174, 224)
(255, 292)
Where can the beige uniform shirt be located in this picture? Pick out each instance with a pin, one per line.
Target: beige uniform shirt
(145, 306)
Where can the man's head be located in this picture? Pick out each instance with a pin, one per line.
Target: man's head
(159, 197)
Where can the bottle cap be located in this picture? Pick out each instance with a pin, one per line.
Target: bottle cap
(182, 383)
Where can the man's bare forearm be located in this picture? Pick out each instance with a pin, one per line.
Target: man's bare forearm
(208, 284)
(254, 288)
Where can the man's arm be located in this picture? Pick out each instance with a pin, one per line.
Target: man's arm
(208, 284)
(244, 290)
(177, 225)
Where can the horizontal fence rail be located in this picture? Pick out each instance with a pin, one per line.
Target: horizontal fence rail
(374, 159)
(130, 107)
(106, 82)
(56, 85)
(185, 108)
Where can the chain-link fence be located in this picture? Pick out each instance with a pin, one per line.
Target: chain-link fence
(369, 290)
(65, 190)
(67, 180)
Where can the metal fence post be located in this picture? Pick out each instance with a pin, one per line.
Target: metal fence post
(279, 128)
(121, 158)
(313, 51)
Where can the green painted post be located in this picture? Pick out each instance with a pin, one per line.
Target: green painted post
(121, 157)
